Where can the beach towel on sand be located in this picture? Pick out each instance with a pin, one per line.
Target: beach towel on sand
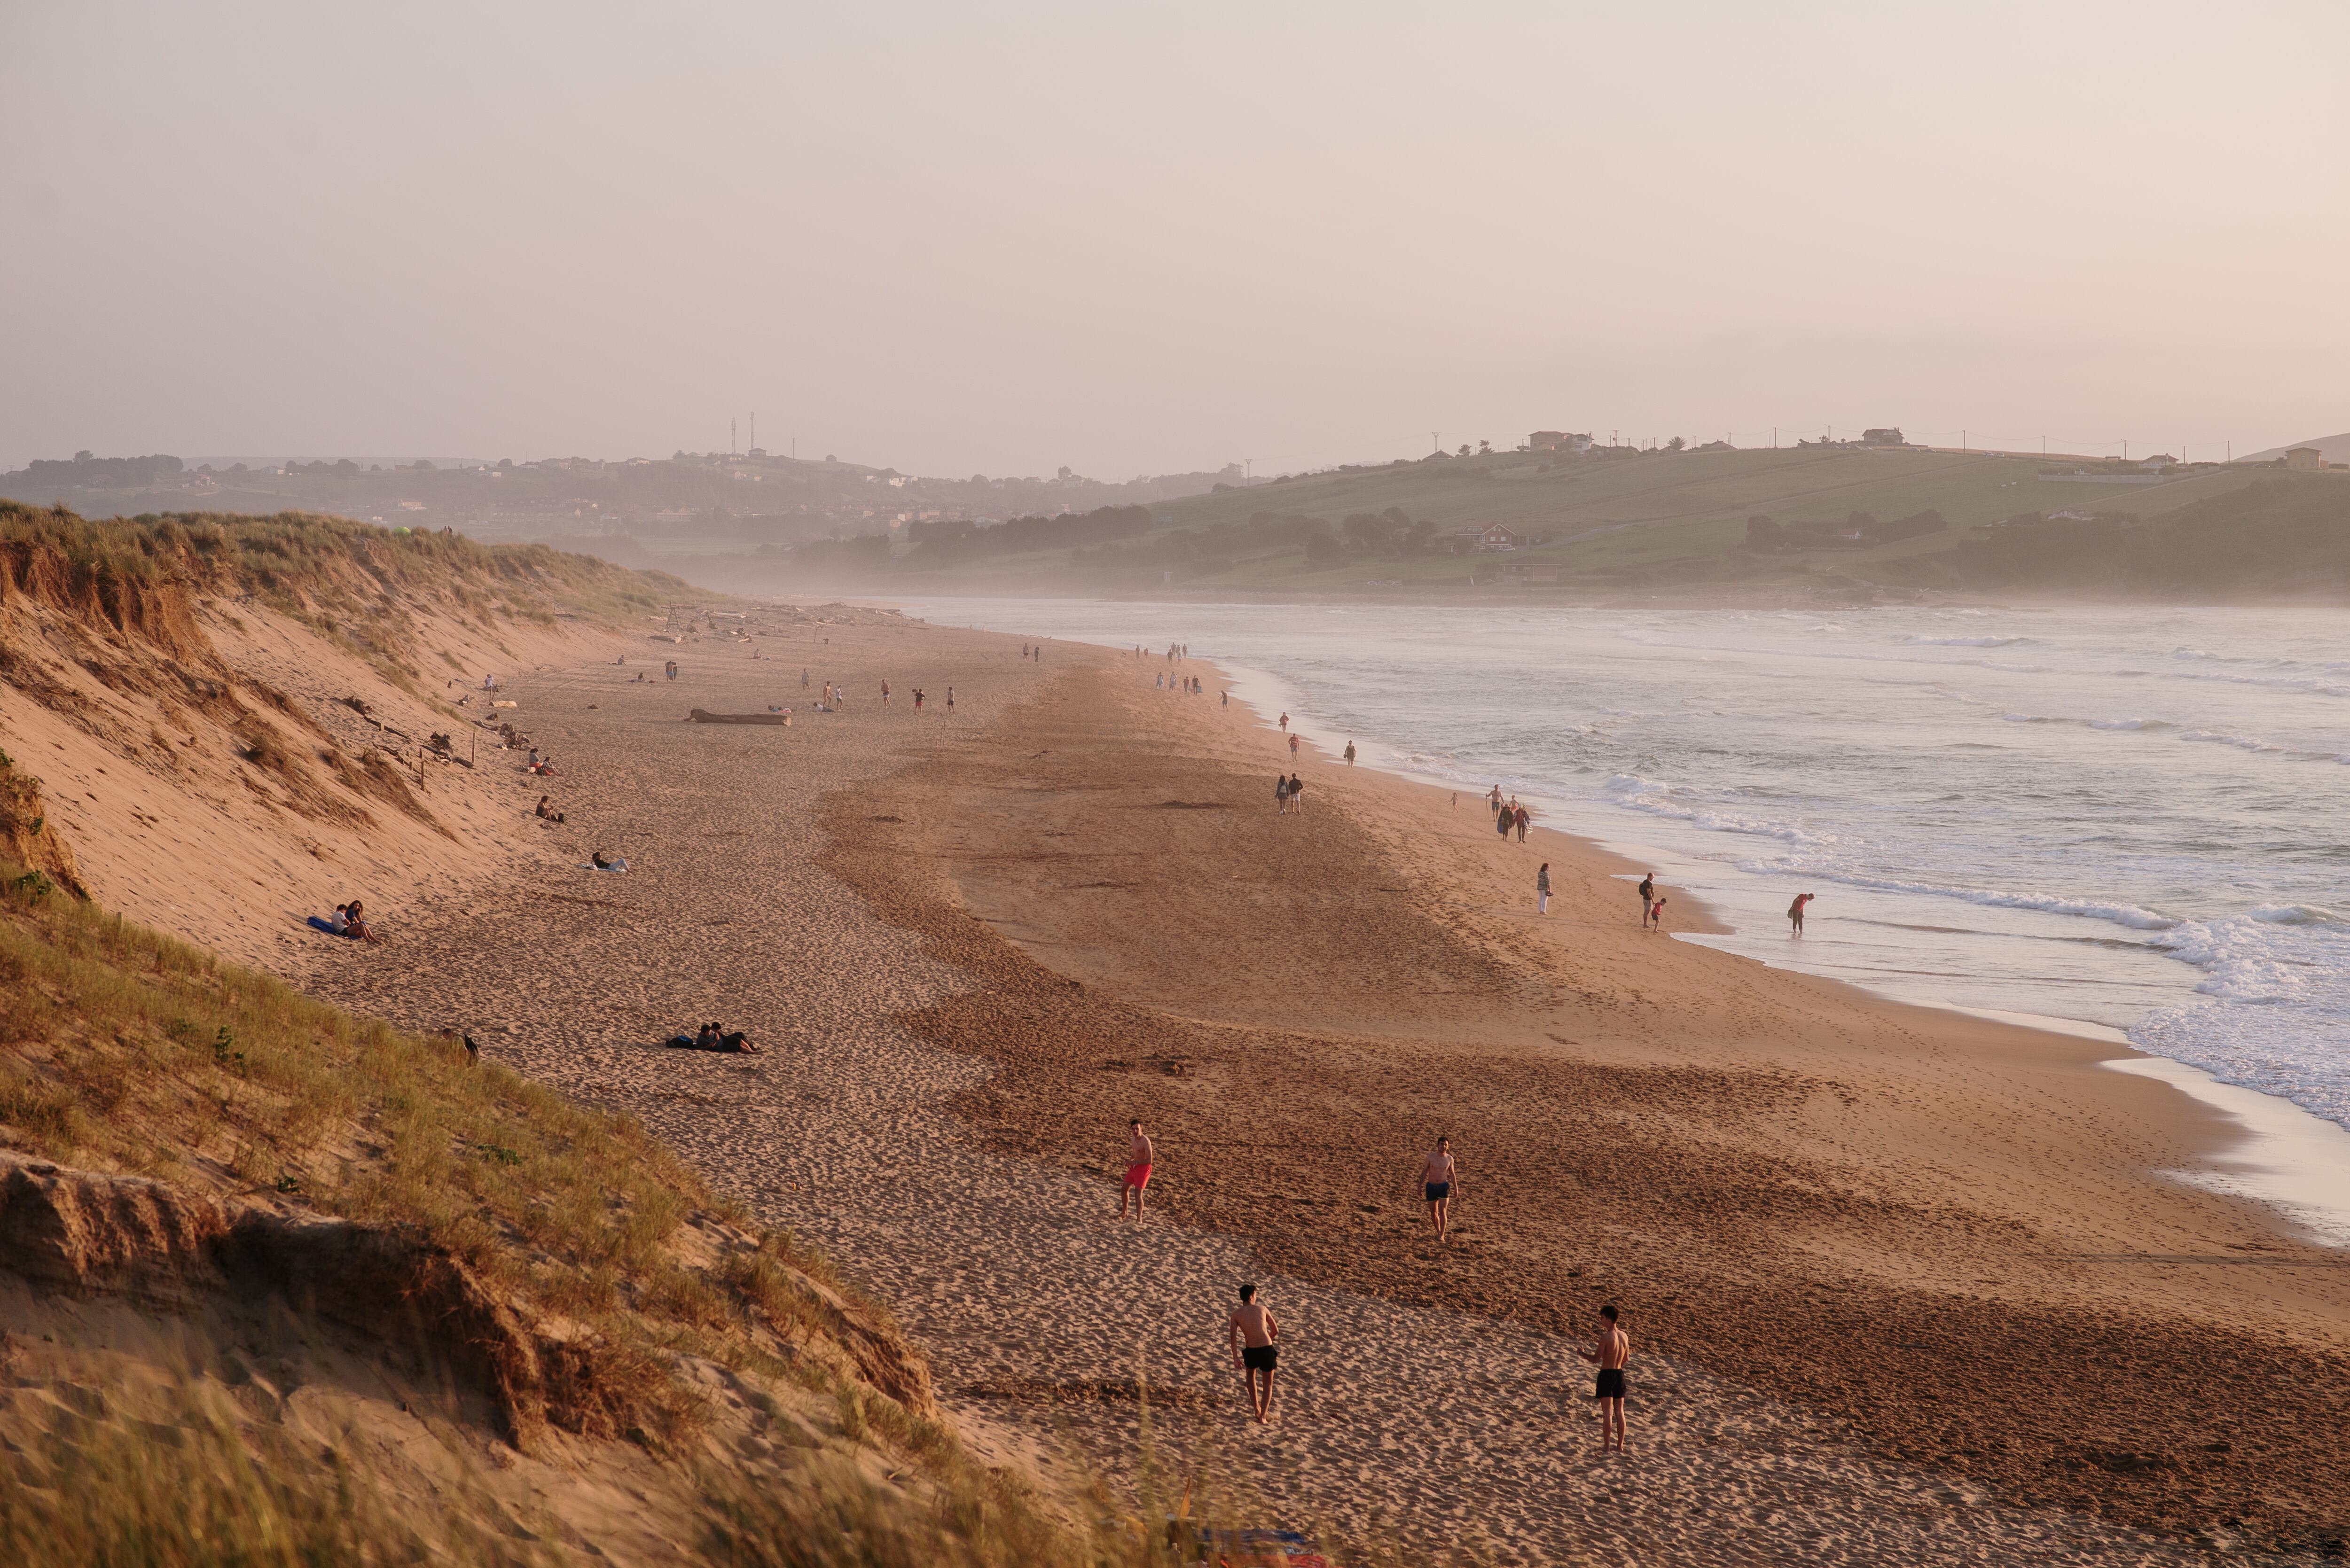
(615, 866)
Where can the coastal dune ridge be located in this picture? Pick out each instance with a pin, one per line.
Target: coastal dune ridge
(1899, 1278)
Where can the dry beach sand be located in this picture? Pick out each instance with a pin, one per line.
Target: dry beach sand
(1904, 1285)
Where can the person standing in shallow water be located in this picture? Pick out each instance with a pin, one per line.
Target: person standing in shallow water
(1795, 911)
(1350, 754)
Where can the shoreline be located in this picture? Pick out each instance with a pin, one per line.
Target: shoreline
(975, 945)
(2277, 1152)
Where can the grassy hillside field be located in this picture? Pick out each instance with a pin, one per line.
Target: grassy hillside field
(1677, 522)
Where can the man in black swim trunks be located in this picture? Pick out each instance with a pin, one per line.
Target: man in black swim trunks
(1253, 1332)
(1614, 1349)
(1439, 1181)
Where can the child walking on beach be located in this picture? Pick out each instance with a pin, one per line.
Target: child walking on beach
(1251, 1333)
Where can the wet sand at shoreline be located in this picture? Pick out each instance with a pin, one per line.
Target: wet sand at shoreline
(1901, 1222)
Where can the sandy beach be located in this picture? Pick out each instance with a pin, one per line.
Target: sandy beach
(1904, 1285)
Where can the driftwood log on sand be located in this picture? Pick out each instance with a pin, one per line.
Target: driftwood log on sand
(700, 717)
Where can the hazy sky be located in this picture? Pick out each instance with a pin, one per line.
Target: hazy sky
(1135, 237)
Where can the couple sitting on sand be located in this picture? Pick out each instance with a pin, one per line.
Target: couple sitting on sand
(714, 1037)
(347, 921)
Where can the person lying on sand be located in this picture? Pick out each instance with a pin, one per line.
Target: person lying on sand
(712, 1037)
(1439, 1184)
(1137, 1170)
(1252, 1333)
(1614, 1349)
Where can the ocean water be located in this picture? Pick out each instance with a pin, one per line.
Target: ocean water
(2132, 817)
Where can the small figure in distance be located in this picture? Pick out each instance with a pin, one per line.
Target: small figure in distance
(1284, 724)
(1648, 897)
(1438, 1180)
(1139, 1154)
(1655, 919)
(1795, 911)
(1293, 745)
(1350, 754)
(1614, 1349)
(1255, 1351)
(1542, 889)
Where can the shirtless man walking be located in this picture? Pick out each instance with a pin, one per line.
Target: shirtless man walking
(1440, 1183)
(1253, 1332)
(1613, 1350)
(1137, 1170)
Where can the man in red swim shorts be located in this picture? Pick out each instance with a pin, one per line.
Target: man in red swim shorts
(1138, 1170)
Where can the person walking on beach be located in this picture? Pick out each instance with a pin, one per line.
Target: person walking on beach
(885, 693)
(1297, 794)
(950, 699)
(1493, 801)
(1542, 889)
(1439, 1184)
(1503, 820)
(803, 678)
(1137, 1170)
(1647, 895)
(1280, 796)
(1228, 698)
(1350, 754)
(1795, 911)
(1251, 1337)
(1522, 819)
(1293, 745)
(1611, 1354)
(1284, 724)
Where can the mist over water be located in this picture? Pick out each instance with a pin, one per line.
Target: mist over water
(2128, 817)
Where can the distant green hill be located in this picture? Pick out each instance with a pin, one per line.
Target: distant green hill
(1807, 522)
